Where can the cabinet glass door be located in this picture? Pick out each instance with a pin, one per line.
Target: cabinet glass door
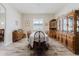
(70, 24)
(58, 24)
(61, 24)
(64, 24)
(77, 24)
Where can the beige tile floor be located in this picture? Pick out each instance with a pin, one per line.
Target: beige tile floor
(20, 49)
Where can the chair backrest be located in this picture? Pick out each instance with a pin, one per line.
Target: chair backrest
(39, 36)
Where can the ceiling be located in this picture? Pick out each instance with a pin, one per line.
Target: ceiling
(38, 8)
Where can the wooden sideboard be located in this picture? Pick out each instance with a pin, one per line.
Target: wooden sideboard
(1, 34)
(18, 35)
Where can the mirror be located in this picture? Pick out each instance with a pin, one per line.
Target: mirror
(2, 22)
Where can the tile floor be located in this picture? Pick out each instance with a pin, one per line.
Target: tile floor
(20, 49)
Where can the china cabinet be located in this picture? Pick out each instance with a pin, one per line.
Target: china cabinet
(59, 30)
(62, 29)
(52, 28)
(69, 31)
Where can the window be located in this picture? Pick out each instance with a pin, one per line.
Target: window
(38, 24)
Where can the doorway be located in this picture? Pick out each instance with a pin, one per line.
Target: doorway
(2, 23)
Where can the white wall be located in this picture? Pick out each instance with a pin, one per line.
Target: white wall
(2, 21)
(27, 21)
(13, 22)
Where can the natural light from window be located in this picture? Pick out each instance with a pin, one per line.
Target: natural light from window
(37, 24)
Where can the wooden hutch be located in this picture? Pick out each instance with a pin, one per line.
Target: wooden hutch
(52, 28)
(67, 30)
(62, 30)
